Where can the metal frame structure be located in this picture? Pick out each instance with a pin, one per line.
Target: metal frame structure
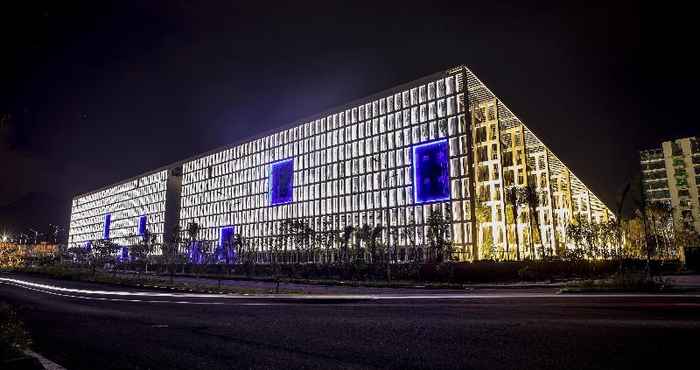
(353, 166)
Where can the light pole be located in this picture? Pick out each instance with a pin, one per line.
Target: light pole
(55, 230)
(36, 235)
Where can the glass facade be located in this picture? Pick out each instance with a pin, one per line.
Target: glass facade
(444, 143)
(349, 167)
(119, 212)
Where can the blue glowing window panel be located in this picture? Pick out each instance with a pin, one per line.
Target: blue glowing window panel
(142, 225)
(282, 182)
(108, 221)
(431, 172)
(124, 255)
(225, 235)
(196, 255)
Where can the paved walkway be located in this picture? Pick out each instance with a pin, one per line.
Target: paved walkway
(682, 281)
(348, 288)
(685, 281)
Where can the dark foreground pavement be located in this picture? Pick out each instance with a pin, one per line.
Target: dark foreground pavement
(82, 329)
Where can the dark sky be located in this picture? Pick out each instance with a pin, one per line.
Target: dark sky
(99, 93)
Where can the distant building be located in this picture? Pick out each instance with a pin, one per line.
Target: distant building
(15, 254)
(443, 143)
(671, 176)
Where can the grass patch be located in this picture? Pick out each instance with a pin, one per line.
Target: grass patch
(327, 282)
(14, 339)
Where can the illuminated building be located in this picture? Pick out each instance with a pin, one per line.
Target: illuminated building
(671, 176)
(123, 212)
(444, 143)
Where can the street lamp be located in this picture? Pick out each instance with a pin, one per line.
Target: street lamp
(36, 235)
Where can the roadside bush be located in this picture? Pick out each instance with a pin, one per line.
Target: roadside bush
(486, 271)
(628, 282)
(13, 338)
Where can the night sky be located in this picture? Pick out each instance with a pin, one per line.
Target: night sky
(93, 94)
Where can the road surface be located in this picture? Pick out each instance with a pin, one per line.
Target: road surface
(90, 326)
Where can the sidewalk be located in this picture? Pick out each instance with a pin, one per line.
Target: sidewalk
(348, 287)
(684, 281)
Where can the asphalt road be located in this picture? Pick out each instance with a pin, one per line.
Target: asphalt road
(88, 326)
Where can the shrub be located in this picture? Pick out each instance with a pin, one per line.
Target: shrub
(629, 282)
(13, 337)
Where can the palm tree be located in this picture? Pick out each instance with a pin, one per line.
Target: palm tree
(391, 250)
(661, 217)
(409, 233)
(327, 239)
(243, 252)
(192, 233)
(170, 250)
(344, 240)
(512, 196)
(104, 250)
(438, 232)
(303, 235)
(227, 251)
(574, 231)
(283, 239)
(617, 223)
(532, 200)
(373, 242)
(142, 250)
(362, 235)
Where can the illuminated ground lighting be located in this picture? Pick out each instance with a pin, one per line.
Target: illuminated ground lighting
(195, 253)
(282, 182)
(108, 221)
(225, 235)
(142, 225)
(431, 172)
(225, 254)
(124, 257)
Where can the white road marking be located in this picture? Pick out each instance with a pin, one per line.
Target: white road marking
(110, 299)
(73, 293)
(45, 362)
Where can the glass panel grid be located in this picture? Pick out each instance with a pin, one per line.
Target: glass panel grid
(356, 170)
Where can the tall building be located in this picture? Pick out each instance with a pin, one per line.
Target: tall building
(671, 176)
(443, 143)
